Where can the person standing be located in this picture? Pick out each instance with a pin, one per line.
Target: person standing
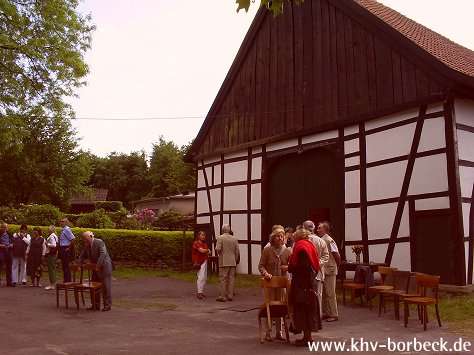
(330, 312)
(21, 240)
(323, 253)
(66, 243)
(227, 249)
(52, 246)
(6, 243)
(200, 254)
(96, 252)
(34, 256)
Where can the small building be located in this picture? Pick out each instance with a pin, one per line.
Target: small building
(86, 204)
(350, 112)
(183, 204)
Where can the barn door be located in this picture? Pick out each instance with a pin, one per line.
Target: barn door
(432, 247)
(304, 186)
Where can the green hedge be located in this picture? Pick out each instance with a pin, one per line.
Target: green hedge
(134, 245)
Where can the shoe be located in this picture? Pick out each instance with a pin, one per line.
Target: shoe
(279, 336)
(302, 342)
(268, 337)
(106, 309)
(325, 317)
(331, 319)
(39, 285)
(219, 299)
(23, 282)
(91, 308)
(200, 296)
(203, 295)
(50, 287)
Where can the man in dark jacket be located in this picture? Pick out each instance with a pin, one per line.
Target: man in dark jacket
(6, 243)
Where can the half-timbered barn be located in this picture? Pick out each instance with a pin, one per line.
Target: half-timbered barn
(350, 112)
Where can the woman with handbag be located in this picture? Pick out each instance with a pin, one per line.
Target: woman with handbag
(52, 247)
(21, 240)
(303, 264)
(199, 256)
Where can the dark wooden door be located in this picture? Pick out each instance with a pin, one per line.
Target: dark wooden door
(432, 247)
(305, 186)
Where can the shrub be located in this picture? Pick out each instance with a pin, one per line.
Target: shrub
(96, 219)
(109, 206)
(42, 215)
(11, 215)
(171, 221)
(145, 216)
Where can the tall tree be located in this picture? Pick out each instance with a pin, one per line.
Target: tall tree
(168, 172)
(42, 44)
(125, 176)
(275, 6)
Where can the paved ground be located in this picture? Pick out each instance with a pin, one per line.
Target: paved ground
(154, 315)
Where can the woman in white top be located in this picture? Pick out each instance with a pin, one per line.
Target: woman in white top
(52, 247)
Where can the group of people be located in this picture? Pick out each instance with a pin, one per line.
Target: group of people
(22, 256)
(311, 262)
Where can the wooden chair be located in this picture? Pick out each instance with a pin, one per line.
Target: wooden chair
(94, 288)
(428, 286)
(399, 297)
(67, 286)
(385, 273)
(275, 292)
(356, 287)
(401, 281)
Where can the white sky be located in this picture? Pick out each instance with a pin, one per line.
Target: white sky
(168, 59)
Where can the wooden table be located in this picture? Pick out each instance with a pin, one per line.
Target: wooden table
(351, 266)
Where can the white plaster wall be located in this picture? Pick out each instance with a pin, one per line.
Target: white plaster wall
(465, 145)
(239, 226)
(319, 137)
(256, 168)
(436, 107)
(235, 197)
(386, 120)
(380, 220)
(215, 199)
(352, 161)
(385, 181)
(203, 220)
(282, 145)
(432, 203)
(200, 179)
(464, 111)
(217, 175)
(236, 171)
(466, 177)
(429, 175)
(256, 252)
(256, 196)
(202, 204)
(401, 256)
(243, 268)
(404, 228)
(351, 130)
(351, 146)
(352, 226)
(465, 218)
(217, 225)
(433, 135)
(352, 186)
(388, 144)
(256, 226)
(377, 253)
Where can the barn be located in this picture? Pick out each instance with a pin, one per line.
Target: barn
(350, 112)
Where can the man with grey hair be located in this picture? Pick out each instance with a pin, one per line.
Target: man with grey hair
(96, 252)
(323, 253)
(227, 249)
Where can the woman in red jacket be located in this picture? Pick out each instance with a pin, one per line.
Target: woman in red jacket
(200, 254)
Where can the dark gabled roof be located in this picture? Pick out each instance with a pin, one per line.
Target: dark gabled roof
(97, 195)
(451, 54)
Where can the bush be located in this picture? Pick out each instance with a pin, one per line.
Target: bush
(11, 215)
(109, 206)
(171, 221)
(42, 215)
(96, 219)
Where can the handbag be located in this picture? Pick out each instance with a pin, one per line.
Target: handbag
(196, 266)
(305, 295)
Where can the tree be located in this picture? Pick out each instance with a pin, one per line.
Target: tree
(168, 173)
(275, 6)
(125, 176)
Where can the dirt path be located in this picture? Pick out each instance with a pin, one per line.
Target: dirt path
(154, 315)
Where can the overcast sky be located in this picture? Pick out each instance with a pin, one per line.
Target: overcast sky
(160, 63)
